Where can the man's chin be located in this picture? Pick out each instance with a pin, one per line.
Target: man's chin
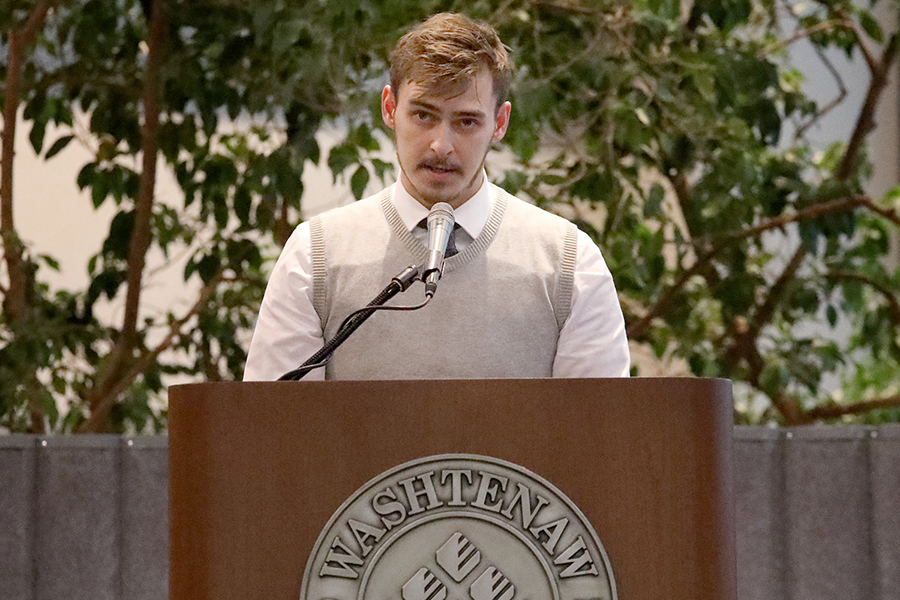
(431, 190)
(434, 192)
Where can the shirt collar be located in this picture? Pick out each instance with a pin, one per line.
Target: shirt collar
(471, 216)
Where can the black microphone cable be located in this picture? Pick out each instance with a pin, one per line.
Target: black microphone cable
(351, 323)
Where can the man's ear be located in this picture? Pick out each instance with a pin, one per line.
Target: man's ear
(388, 105)
(502, 121)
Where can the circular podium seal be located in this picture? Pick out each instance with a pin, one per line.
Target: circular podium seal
(458, 527)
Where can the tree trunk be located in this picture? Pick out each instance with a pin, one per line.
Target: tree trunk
(110, 382)
(19, 293)
(15, 304)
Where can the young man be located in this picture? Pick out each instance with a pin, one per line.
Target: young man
(528, 295)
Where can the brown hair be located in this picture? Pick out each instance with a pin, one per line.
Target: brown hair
(447, 51)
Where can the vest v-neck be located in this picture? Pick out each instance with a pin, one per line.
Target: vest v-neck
(418, 249)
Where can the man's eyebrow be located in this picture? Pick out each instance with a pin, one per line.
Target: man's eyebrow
(419, 103)
(424, 104)
(477, 114)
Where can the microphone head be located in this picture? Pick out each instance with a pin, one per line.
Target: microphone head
(440, 225)
(441, 210)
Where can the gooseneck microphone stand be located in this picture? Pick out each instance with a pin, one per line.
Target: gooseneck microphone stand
(400, 283)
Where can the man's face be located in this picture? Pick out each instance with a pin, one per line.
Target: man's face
(442, 141)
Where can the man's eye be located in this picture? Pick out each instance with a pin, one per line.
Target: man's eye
(423, 116)
(468, 123)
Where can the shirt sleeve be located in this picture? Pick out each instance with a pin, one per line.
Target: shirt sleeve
(288, 329)
(592, 341)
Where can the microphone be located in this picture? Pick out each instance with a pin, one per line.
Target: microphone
(440, 225)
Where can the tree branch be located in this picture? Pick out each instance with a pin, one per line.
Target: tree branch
(101, 408)
(720, 242)
(72, 80)
(850, 25)
(746, 336)
(834, 103)
(883, 289)
(35, 21)
(564, 7)
(809, 213)
(790, 409)
(639, 329)
(798, 35)
(866, 121)
(833, 411)
(888, 213)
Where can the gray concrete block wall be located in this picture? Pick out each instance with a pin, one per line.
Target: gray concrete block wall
(884, 457)
(829, 514)
(145, 519)
(83, 517)
(18, 484)
(77, 533)
(818, 515)
(759, 500)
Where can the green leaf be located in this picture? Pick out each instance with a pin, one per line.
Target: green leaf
(106, 282)
(36, 137)
(871, 26)
(832, 315)
(99, 189)
(596, 186)
(666, 9)
(341, 157)
(243, 202)
(242, 253)
(809, 237)
(48, 405)
(208, 267)
(653, 206)
(524, 142)
(774, 378)
(706, 84)
(362, 137)
(513, 181)
(58, 146)
(220, 211)
(86, 175)
(382, 168)
(119, 239)
(359, 181)
(50, 261)
(286, 34)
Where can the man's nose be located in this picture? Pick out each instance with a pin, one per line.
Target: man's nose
(442, 142)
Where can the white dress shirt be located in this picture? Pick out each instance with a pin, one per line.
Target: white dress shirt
(592, 341)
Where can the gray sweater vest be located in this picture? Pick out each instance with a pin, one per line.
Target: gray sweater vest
(498, 308)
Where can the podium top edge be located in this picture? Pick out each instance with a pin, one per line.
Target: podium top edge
(505, 380)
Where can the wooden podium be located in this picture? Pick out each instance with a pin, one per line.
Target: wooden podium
(257, 469)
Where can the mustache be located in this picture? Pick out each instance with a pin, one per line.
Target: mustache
(438, 163)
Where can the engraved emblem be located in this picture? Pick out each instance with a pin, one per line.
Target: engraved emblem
(458, 527)
(458, 557)
(424, 586)
(492, 585)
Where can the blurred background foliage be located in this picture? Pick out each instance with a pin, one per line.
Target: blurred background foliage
(674, 132)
